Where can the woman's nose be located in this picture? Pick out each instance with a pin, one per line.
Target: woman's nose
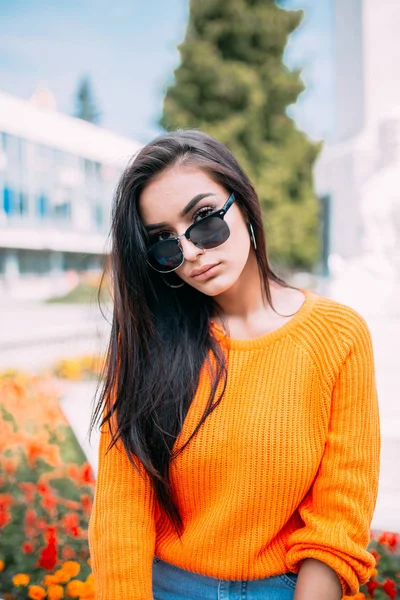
(190, 251)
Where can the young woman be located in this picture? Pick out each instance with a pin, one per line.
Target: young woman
(239, 453)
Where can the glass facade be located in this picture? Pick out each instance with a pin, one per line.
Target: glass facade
(43, 188)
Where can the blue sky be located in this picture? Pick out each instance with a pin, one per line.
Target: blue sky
(129, 49)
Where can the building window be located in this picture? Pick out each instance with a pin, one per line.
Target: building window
(23, 204)
(42, 206)
(8, 201)
(62, 211)
(98, 216)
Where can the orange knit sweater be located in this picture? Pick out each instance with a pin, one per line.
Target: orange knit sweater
(285, 468)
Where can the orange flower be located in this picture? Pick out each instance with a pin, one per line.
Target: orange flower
(2, 565)
(20, 579)
(88, 589)
(71, 567)
(61, 576)
(75, 588)
(49, 580)
(55, 592)
(73, 471)
(374, 573)
(10, 466)
(36, 592)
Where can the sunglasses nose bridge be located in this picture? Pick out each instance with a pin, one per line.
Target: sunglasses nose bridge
(189, 249)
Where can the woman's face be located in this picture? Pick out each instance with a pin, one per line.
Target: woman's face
(164, 200)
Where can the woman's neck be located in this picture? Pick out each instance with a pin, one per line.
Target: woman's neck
(245, 297)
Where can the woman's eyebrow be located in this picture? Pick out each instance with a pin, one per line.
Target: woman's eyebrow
(194, 201)
(189, 206)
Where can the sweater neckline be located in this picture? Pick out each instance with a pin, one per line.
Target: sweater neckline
(266, 339)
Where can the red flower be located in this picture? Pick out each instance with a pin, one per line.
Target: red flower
(389, 539)
(30, 517)
(71, 524)
(49, 502)
(86, 503)
(48, 556)
(390, 588)
(29, 490)
(68, 553)
(43, 488)
(371, 587)
(27, 547)
(5, 501)
(5, 518)
(87, 473)
(376, 555)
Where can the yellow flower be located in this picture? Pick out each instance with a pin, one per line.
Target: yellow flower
(2, 565)
(20, 579)
(55, 592)
(36, 592)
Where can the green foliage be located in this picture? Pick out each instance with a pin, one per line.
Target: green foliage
(232, 84)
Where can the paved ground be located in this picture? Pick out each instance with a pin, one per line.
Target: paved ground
(34, 335)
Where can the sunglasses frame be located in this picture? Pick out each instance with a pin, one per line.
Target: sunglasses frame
(220, 214)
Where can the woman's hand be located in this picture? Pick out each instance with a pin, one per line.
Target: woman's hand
(317, 581)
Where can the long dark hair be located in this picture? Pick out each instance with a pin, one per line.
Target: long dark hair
(160, 336)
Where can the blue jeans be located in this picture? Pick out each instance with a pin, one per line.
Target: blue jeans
(172, 583)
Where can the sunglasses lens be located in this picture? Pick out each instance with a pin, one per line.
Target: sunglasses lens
(165, 256)
(210, 232)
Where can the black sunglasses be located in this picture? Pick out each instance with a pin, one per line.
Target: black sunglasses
(166, 256)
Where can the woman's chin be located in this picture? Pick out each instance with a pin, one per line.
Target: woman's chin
(213, 287)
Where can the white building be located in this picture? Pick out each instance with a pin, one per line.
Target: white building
(367, 117)
(57, 177)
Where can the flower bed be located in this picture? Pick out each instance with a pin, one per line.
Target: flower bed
(79, 369)
(385, 581)
(46, 492)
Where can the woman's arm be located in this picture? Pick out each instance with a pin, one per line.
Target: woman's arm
(122, 527)
(337, 511)
(316, 580)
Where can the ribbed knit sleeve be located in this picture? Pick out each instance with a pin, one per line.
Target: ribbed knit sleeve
(122, 528)
(338, 509)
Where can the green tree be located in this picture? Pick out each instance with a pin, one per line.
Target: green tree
(86, 108)
(232, 83)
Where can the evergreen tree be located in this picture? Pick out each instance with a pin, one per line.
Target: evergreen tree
(232, 84)
(85, 104)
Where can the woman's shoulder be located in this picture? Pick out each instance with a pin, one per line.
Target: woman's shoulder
(329, 332)
(341, 318)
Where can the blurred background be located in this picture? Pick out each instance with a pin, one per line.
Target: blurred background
(305, 93)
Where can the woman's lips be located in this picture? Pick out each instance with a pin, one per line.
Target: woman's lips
(204, 272)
